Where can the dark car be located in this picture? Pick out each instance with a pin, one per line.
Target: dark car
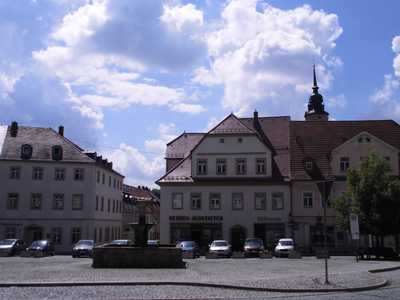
(41, 247)
(10, 247)
(83, 248)
(120, 243)
(189, 247)
(253, 247)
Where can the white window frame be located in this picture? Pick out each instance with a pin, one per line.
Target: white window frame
(177, 203)
(241, 166)
(235, 203)
(215, 201)
(261, 166)
(12, 201)
(274, 197)
(308, 203)
(59, 174)
(195, 201)
(220, 165)
(344, 163)
(77, 202)
(260, 205)
(201, 166)
(15, 172)
(58, 201)
(37, 173)
(36, 201)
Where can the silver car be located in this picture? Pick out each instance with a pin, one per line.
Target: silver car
(10, 247)
(220, 248)
(283, 247)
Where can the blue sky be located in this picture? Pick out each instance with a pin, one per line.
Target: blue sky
(125, 77)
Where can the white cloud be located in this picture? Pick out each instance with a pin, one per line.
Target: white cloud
(387, 98)
(338, 101)
(267, 55)
(146, 165)
(205, 77)
(183, 18)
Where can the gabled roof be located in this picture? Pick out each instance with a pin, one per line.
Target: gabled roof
(42, 140)
(140, 193)
(275, 129)
(316, 140)
(181, 146)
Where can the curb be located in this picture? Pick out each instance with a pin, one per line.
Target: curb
(384, 270)
(195, 284)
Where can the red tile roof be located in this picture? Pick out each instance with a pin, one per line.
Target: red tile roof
(316, 140)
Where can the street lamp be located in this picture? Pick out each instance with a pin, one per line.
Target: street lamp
(324, 188)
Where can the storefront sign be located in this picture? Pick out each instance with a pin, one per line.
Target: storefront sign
(268, 220)
(199, 219)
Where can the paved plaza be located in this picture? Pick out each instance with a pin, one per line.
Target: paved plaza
(240, 273)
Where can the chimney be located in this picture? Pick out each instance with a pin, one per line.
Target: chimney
(61, 130)
(256, 123)
(14, 129)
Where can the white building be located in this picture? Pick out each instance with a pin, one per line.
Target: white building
(228, 183)
(51, 189)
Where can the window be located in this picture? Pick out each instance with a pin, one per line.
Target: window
(26, 151)
(97, 202)
(59, 174)
(15, 173)
(58, 201)
(10, 232)
(260, 166)
(221, 140)
(344, 164)
(12, 201)
(109, 205)
(102, 203)
(195, 200)
(240, 140)
(201, 166)
(37, 173)
(78, 173)
(308, 199)
(56, 234)
(103, 178)
(260, 201)
(114, 183)
(237, 201)
(107, 234)
(221, 166)
(277, 201)
(98, 176)
(113, 209)
(100, 234)
(215, 201)
(109, 181)
(309, 165)
(177, 201)
(36, 201)
(77, 202)
(241, 166)
(76, 233)
(57, 152)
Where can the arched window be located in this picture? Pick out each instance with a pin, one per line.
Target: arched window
(57, 152)
(26, 151)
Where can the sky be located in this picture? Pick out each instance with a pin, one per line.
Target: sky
(124, 77)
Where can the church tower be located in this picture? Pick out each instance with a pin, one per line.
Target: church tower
(316, 110)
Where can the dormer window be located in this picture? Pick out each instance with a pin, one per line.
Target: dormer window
(309, 165)
(26, 151)
(57, 152)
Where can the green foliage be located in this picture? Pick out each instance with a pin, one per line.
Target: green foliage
(374, 195)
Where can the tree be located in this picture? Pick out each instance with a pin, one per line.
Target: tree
(374, 195)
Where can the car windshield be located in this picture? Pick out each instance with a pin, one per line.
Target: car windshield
(219, 244)
(39, 243)
(254, 242)
(286, 243)
(6, 242)
(187, 244)
(119, 242)
(85, 243)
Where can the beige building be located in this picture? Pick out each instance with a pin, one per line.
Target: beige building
(52, 189)
(258, 177)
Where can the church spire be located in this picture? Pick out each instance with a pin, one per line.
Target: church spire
(316, 110)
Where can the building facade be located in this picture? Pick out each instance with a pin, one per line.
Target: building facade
(52, 189)
(135, 198)
(257, 177)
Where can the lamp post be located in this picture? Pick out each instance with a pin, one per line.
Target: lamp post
(324, 188)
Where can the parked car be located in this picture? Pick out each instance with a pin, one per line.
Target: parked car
(253, 247)
(220, 248)
(189, 247)
(43, 247)
(153, 243)
(120, 243)
(83, 248)
(283, 247)
(10, 247)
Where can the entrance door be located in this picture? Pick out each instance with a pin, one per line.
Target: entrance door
(238, 237)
